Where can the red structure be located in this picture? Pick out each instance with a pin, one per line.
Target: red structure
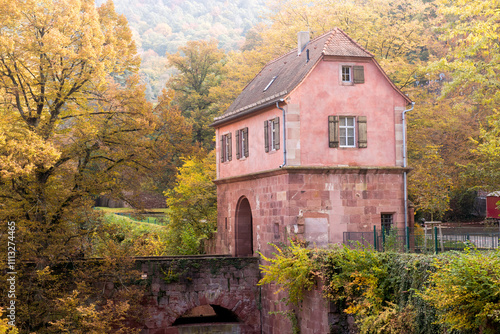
(492, 208)
(313, 147)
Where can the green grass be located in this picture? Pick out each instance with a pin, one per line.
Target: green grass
(151, 216)
(131, 225)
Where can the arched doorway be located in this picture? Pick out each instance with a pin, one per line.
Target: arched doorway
(244, 232)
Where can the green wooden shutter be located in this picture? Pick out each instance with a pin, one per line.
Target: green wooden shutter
(362, 132)
(222, 149)
(333, 131)
(230, 147)
(277, 133)
(245, 134)
(266, 135)
(359, 74)
(237, 141)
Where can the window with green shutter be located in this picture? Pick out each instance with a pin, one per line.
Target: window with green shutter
(272, 134)
(225, 148)
(352, 74)
(347, 131)
(242, 143)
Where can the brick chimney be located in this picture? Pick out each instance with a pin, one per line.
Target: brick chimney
(303, 39)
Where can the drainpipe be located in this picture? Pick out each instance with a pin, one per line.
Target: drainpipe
(284, 133)
(405, 174)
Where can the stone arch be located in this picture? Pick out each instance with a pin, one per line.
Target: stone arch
(244, 314)
(206, 314)
(243, 228)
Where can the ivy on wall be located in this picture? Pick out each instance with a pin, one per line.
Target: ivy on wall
(389, 292)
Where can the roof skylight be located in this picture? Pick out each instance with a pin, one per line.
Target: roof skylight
(270, 83)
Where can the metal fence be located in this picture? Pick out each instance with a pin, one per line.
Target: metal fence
(425, 240)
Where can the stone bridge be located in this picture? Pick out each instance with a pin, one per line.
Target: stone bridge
(201, 294)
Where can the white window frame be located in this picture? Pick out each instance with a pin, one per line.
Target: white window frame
(242, 144)
(343, 75)
(344, 127)
(226, 147)
(272, 135)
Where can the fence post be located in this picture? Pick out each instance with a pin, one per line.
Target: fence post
(425, 238)
(375, 237)
(383, 237)
(435, 240)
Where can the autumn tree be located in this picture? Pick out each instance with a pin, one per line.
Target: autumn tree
(429, 183)
(74, 125)
(200, 68)
(458, 93)
(485, 170)
(193, 205)
(170, 141)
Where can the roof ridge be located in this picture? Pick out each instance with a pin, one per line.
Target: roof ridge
(332, 32)
(295, 49)
(354, 42)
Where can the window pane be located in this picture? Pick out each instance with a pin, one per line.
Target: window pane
(242, 144)
(273, 134)
(350, 141)
(346, 74)
(350, 121)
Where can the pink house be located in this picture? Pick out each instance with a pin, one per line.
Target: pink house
(313, 147)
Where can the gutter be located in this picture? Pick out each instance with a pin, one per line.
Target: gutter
(284, 133)
(405, 176)
(248, 110)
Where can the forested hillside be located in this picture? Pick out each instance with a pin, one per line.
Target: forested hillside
(162, 26)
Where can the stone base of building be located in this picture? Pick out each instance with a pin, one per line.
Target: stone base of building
(316, 204)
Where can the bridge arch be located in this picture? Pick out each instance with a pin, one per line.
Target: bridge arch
(220, 310)
(178, 287)
(243, 228)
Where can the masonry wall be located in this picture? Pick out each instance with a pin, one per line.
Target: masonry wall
(314, 204)
(317, 204)
(175, 286)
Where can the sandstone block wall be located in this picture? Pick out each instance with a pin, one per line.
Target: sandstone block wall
(315, 204)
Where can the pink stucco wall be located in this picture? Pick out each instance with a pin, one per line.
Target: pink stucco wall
(322, 95)
(258, 159)
(307, 109)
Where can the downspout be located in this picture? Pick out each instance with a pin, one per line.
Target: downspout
(405, 175)
(284, 133)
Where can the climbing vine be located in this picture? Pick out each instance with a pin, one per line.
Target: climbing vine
(389, 292)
